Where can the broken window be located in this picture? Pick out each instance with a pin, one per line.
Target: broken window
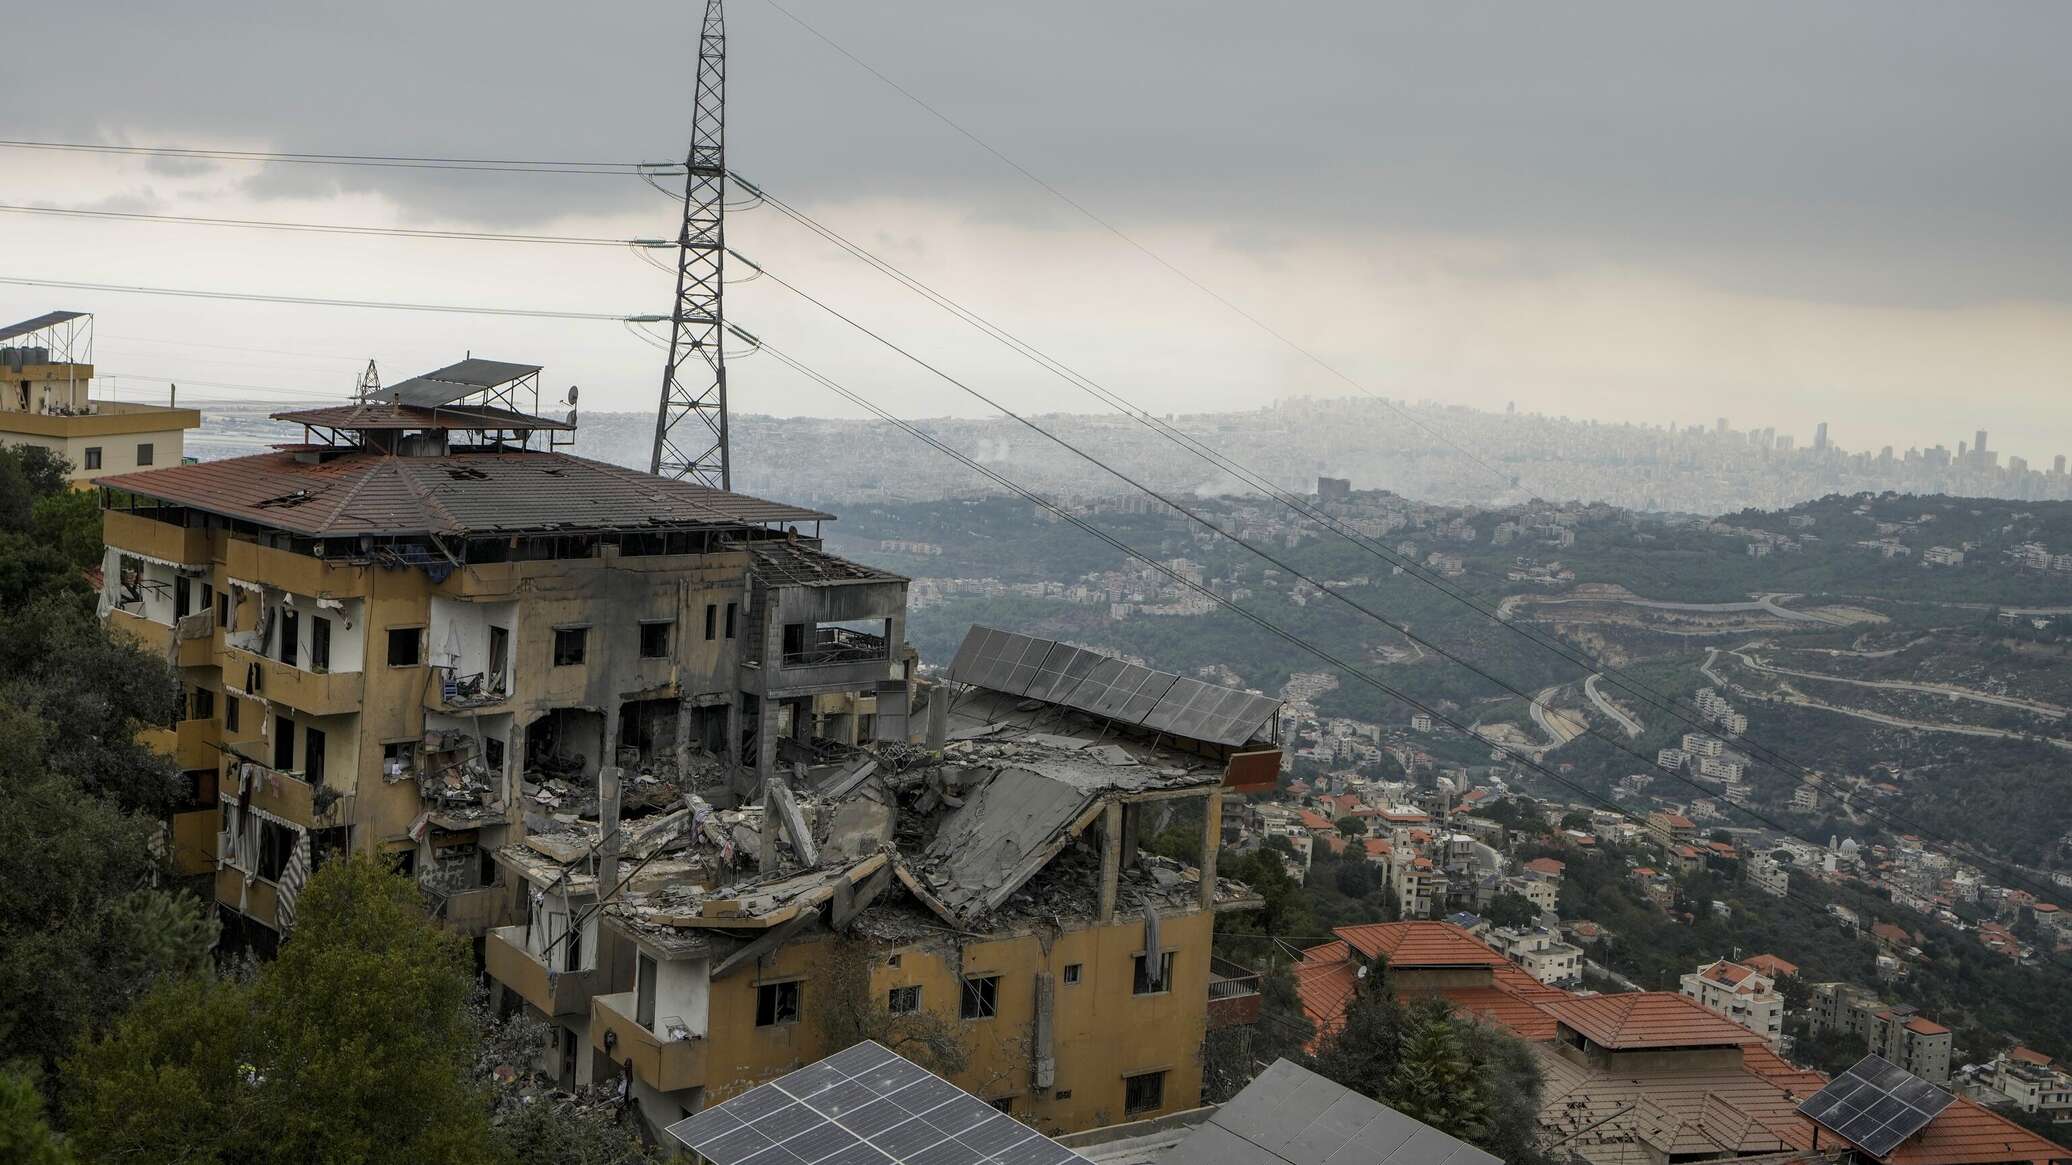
(319, 643)
(291, 634)
(223, 610)
(1072, 972)
(569, 645)
(229, 713)
(182, 599)
(654, 639)
(1004, 1103)
(398, 757)
(283, 743)
(276, 843)
(776, 1003)
(730, 620)
(499, 657)
(711, 620)
(404, 645)
(313, 756)
(204, 705)
(1145, 982)
(493, 753)
(1144, 1092)
(981, 997)
(644, 989)
(903, 1000)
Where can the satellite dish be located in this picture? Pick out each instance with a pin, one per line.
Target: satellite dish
(571, 395)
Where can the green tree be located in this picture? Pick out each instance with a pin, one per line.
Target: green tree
(25, 1137)
(355, 1044)
(82, 930)
(1510, 908)
(1351, 827)
(1434, 1081)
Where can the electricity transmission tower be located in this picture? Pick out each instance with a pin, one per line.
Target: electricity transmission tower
(691, 425)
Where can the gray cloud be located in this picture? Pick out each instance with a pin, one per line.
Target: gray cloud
(1879, 151)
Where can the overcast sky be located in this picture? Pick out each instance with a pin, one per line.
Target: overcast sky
(1780, 213)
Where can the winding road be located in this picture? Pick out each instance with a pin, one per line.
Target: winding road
(1605, 705)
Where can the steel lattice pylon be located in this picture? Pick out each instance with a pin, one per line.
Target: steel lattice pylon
(691, 425)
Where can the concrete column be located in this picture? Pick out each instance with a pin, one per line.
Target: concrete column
(766, 838)
(733, 747)
(938, 717)
(1132, 825)
(1211, 839)
(608, 777)
(802, 721)
(766, 741)
(685, 713)
(1111, 859)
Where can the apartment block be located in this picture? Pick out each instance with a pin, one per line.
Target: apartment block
(1897, 1032)
(424, 629)
(1741, 994)
(46, 400)
(988, 892)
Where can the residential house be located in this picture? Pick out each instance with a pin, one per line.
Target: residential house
(1741, 994)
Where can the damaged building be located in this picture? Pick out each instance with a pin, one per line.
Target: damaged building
(983, 897)
(424, 631)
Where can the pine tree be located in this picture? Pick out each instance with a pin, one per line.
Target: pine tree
(1434, 1080)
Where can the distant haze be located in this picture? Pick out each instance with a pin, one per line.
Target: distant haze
(1778, 213)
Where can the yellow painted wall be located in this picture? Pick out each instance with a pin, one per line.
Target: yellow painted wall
(1102, 1031)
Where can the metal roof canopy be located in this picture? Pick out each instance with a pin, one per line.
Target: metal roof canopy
(457, 381)
(1290, 1114)
(1102, 685)
(46, 320)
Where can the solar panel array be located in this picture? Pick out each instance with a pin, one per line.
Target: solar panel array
(1021, 665)
(1875, 1105)
(864, 1106)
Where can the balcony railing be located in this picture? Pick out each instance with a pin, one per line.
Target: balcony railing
(1233, 994)
(836, 645)
(508, 961)
(663, 1064)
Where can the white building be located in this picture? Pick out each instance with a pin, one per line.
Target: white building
(1741, 995)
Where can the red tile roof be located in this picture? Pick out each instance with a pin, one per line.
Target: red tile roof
(1552, 867)
(1311, 819)
(2028, 1056)
(1926, 1027)
(1966, 1133)
(1326, 980)
(1649, 1019)
(1771, 965)
(1419, 944)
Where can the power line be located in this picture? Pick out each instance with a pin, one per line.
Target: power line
(327, 228)
(314, 301)
(1275, 561)
(1509, 480)
(1182, 580)
(390, 161)
(1684, 713)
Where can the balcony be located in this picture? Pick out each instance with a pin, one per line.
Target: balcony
(286, 795)
(470, 912)
(465, 693)
(1233, 994)
(832, 646)
(315, 692)
(197, 744)
(663, 1064)
(194, 841)
(260, 901)
(554, 993)
(147, 535)
(302, 574)
(151, 636)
